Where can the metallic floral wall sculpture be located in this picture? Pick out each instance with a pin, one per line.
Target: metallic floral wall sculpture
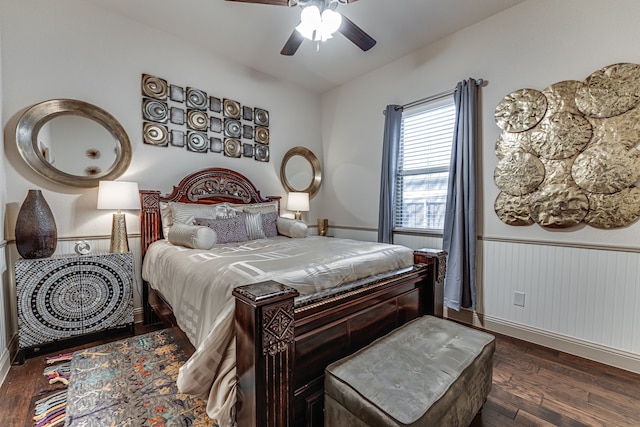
(569, 154)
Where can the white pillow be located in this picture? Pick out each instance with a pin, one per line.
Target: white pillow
(265, 207)
(192, 236)
(186, 213)
(291, 227)
(165, 219)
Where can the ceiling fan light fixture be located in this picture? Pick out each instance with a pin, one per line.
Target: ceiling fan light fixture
(316, 26)
(331, 21)
(310, 21)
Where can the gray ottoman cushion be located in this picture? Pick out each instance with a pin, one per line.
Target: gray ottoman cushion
(429, 372)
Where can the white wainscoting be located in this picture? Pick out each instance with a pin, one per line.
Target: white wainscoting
(586, 298)
(5, 315)
(580, 300)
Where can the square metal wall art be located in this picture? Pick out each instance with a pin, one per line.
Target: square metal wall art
(155, 134)
(154, 87)
(232, 147)
(176, 116)
(176, 93)
(188, 117)
(177, 138)
(216, 145)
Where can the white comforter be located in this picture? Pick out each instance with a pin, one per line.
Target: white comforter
(198, 285)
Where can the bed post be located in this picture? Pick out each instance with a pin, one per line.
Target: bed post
(150, 224)
(265, 353)
(437, 259)
(150, 231)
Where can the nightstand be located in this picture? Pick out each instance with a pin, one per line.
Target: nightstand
(66, 296)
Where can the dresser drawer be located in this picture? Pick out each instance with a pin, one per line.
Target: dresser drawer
(69, 295)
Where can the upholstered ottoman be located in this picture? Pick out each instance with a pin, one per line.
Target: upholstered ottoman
(429, 372)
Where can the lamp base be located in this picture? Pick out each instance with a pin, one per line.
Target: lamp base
(323, 226)
(298, 215)
(119, 241)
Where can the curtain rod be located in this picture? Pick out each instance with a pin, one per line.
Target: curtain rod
(479, 82)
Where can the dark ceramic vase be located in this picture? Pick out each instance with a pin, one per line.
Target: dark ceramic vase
(36, 232)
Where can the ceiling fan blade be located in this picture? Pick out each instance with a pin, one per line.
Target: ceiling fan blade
(292, 45)
(274, 2)
(354, 33)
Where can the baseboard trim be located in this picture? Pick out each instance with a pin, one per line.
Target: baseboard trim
(588, 350)
(138, 315)
(5, 365)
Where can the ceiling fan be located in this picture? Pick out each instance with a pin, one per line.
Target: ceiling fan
(323, 20)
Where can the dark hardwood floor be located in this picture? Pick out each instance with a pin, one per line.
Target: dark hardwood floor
(538, 386)
(532, 386)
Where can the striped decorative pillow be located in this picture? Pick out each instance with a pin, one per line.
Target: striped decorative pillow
(254, 225)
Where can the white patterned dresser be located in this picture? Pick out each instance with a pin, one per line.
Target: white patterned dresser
(67, 296)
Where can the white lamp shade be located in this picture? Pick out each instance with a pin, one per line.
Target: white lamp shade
(316, 26)
(118, 195)
(310, 21)
(331, 21)
(298, 202)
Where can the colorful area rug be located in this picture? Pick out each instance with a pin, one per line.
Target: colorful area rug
(131, 382)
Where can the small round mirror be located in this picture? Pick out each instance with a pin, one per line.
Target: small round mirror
(300, 171)
(72, 142)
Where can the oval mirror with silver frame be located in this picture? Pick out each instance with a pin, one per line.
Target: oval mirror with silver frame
(57, 135)
(300, 171)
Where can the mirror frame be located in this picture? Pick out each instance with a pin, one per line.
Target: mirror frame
(314, 185)
(38, 115)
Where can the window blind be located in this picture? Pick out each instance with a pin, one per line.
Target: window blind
(423, 165)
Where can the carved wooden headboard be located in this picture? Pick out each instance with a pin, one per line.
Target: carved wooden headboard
(207, 186)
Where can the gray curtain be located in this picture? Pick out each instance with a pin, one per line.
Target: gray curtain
(390, 144)
(459, 238)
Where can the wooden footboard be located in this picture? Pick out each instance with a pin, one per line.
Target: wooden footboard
(283, 348)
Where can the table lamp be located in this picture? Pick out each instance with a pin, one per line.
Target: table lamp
(298, 202)
(118, 195)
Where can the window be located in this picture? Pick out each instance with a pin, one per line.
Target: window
(423, 165)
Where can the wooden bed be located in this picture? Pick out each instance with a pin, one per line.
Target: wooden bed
(284, 345)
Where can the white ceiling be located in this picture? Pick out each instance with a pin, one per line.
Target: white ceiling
(253, 34)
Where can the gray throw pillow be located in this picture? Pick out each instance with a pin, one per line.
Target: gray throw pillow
(228, 230)
(269, 226)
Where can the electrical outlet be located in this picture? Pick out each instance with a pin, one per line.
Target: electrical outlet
(518, 298)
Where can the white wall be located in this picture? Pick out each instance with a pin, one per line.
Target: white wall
(5, 306)
(72, 49)
(531, 45)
